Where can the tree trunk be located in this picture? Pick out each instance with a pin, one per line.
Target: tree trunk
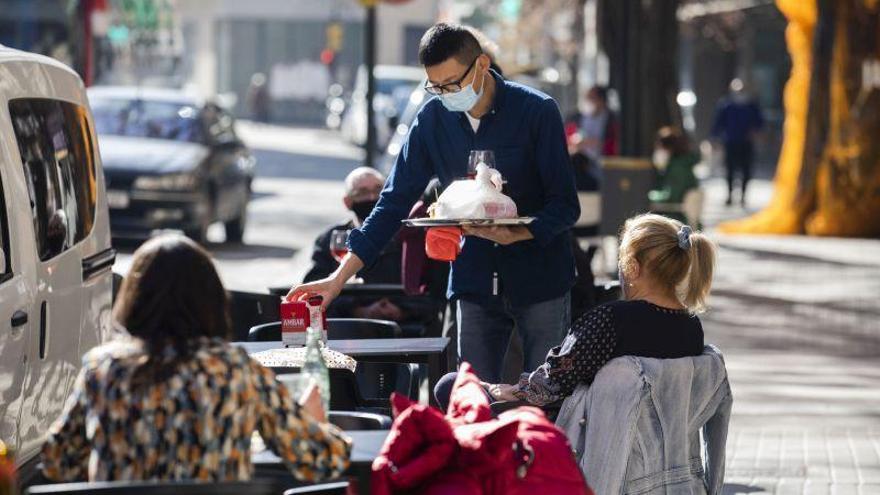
(640, 38)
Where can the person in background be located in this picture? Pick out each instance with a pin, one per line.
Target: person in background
(171, 399)
(675, 169)
(257, 98)
(595, 132)
(738, 120)
(504, 276)
(666, 273)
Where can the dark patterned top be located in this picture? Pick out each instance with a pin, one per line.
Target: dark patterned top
(197, 425)
(619, 328)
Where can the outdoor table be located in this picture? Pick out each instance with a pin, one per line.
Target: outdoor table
(365, 446)
(424, 351)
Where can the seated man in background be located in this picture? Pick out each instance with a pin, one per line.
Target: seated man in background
(362, 188)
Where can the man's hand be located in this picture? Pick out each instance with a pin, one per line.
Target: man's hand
(502, 391)
(328, 288)
(311, 403)
(502, 235)
(383, 309)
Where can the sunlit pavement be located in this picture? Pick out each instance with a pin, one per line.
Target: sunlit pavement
(798, 320)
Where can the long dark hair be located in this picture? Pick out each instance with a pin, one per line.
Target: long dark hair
(171, 296)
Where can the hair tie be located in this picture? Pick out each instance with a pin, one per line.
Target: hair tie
(684, 237)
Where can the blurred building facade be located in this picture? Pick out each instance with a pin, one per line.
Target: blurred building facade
(302, 46)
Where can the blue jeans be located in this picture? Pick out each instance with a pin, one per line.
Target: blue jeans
(484, 332)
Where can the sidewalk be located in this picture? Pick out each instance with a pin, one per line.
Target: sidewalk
(798, 320)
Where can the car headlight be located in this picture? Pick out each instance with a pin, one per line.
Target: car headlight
(168, 182)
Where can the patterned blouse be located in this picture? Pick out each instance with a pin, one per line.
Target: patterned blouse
(619, 328)
(197, 425)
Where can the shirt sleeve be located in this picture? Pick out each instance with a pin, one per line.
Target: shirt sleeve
(587, 347)
(561, 208)
(405, 185)
(313, 451)
(66, 451)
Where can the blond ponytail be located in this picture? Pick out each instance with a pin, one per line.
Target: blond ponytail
(699, 279)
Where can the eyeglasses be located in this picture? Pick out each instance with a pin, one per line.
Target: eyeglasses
(452, 87)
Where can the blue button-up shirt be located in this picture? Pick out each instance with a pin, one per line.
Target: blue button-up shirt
(524, 130)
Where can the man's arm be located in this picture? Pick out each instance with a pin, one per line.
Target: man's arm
(404, 186)
(561, 208)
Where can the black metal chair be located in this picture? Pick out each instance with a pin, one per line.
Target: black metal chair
(255, 487)
(345, 395)
(376, 380)
(338, 488)
(249, 309)
(355, 420)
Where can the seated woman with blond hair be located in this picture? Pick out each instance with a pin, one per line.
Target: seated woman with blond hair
(666, 273)
(172, 399)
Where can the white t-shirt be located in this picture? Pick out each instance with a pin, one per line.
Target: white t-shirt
(475, 123)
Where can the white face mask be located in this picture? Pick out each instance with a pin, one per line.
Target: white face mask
(589, 108)
(661, 158)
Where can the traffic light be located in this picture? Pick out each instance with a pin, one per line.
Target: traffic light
(335, 36)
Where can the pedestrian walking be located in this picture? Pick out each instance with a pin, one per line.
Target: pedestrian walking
(737, 121)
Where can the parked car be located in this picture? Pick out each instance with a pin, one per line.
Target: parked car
(394, 84)
(55, 254)
(171, 161)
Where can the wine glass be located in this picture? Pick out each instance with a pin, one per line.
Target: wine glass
(339, 244)
(479, 156)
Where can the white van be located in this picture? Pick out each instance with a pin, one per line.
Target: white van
(55, 254)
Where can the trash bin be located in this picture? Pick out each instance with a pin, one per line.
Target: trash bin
(625, 185)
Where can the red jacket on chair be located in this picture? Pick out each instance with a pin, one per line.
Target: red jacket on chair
(470, 452)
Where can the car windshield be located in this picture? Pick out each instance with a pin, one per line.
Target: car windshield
(390, 86)
(145, 118)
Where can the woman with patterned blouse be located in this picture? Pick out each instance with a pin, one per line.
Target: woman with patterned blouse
(172, 400)
(666, 273)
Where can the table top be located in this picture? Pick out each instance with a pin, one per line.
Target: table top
(368, 347)
(365, 446)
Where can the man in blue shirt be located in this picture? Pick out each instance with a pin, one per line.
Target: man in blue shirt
(737, 121)
(505, 277)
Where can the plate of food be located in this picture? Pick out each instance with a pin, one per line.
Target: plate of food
(459, 222)
(477, 201)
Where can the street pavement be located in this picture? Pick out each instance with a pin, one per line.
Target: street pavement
(797, 318)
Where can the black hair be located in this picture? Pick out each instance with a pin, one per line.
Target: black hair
(443, 41)
(601, 92)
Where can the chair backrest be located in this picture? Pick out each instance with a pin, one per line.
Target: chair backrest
(267, 332)
(337, 488)
(692, 205)
(344, 392)
(249, 309)
(591, 209)
(352, 420)
(256, 487)
(361, 328)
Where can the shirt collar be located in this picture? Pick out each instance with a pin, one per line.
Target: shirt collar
(500, 90)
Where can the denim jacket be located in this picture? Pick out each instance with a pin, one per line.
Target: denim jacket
(636, 429)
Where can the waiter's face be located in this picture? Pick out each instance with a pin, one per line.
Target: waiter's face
(452, 71)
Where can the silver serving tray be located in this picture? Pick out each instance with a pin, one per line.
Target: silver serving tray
(483, 222)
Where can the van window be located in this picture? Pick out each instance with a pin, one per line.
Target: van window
(5, 257)
(58, 159)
